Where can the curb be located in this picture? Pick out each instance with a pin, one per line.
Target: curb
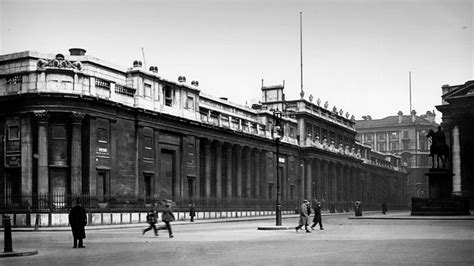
(276, 228)
(18, 253)
(438, 218)
(177, 223)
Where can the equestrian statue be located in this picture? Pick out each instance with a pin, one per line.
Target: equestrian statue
(438, 147)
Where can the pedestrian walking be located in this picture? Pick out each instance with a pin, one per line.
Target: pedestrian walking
(167, 217)
(384, 208)
(303, 217)
(317, 216)
(192, 212)
(151, 219)
(78, 220)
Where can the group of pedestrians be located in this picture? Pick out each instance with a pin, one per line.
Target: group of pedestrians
(167, 217)
(78, 221)
(305, 213)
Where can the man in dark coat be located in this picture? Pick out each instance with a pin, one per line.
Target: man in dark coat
(317, 216)
(303, 217)
(151, 218)
(192, 212)
(77, 220)
(167, 217)
(384, 208)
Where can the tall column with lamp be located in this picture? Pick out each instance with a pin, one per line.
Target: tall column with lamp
(277, 135)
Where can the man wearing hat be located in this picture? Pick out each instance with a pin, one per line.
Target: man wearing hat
(303, 216)
(317, 216)
(167, 217)
(77, 220)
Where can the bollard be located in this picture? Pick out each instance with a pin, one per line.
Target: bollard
(8, 233)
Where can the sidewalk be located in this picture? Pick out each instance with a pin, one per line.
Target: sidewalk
(176, 223)
(406, 215)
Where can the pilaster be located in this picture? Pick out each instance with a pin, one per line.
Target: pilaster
(43, 168)
(76, 153)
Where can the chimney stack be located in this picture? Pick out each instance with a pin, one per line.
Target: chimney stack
(413, 116)
(400, 117)
(77, 52)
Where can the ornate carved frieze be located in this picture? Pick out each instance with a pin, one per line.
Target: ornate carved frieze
(59, 62)
(77, 117)
(42, 116)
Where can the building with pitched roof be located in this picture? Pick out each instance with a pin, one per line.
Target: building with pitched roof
(404, 135)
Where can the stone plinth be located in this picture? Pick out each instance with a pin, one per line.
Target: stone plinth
(441, 201)
(440, 183)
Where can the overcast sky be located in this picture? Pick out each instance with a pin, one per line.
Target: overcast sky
(356, 54)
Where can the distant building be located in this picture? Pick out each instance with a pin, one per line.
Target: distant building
(458, 124)
(404, 135)
(76, 126)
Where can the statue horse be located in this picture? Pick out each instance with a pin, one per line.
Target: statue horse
(438, 148)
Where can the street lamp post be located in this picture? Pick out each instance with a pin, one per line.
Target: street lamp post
(278, 134)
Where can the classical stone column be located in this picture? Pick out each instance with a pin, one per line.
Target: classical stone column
(218, 148)
(319, 180)
(228, 173)
(325, 177)
(264, 175)
(309, 178)
(456, 154)
(238, 164)
(248, 173)
(340, 183)
(333, 179)
(43, 168)
(207, 169)
(26, 159)
(256, 170)
(76, 154)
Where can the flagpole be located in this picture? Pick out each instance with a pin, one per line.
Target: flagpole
(301, 54)
(409, 86)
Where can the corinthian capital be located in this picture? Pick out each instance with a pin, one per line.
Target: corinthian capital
(42, 116)
(77, 117)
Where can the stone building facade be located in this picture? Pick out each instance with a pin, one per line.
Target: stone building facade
(457, 122)
(404, 135)
(76, 126)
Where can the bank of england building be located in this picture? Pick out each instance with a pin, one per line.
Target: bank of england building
(123, 139)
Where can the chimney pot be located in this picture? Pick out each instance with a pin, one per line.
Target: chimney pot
(77, 52)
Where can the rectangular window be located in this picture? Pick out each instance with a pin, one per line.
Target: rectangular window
(405, 134)
(406, 145)
(191, 188)
(147, 90)
(102, 135)
(368, 137)
(14, 132)
(148, 180)
(59, 132)
(394, 146)
(270, 190)
(148, 143)
(190, 103)
(292, 132)
(103, 185)
(292, 192)
(382, 146)
(394, 135)
(168, 92)
(381, 136)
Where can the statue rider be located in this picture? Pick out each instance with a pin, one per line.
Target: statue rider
(440, 136)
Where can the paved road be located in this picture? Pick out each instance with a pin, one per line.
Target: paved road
(344, 242)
